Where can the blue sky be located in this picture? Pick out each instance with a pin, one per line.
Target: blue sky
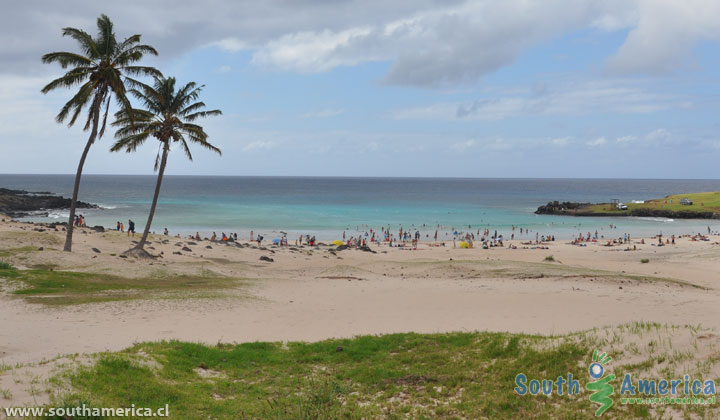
(424, 88)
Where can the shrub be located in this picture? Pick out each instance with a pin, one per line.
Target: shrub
(6, 266)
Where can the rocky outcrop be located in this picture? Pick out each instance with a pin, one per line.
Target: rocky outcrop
(20, 203)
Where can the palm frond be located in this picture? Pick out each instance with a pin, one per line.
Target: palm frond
(67, 59)
(202, 114)
(87, 43)
(69, 79)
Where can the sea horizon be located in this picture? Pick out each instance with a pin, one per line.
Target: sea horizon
(327, 207)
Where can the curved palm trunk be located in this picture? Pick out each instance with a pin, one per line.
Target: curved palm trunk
(78, 174)
(161, 171)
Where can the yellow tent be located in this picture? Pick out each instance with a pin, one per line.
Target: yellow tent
(338, 242)
(464, 244)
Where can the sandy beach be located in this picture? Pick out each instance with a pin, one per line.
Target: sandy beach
(310, 293)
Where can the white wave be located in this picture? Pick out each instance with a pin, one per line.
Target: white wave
(656, 219)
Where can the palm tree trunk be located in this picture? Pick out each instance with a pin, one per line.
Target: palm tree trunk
(78, 174)
(161, 171)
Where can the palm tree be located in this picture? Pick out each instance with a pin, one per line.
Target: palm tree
(168, 117)
(102, 70)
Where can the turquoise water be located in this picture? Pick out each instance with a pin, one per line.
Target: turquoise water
(327, 206)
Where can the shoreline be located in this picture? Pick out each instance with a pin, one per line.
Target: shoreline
(310, 294)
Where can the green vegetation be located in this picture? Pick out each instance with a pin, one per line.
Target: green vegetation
(420, 376)
(11, 252)
(550, 258)
(67, 288)
(6, 266)
(645, 261)
(702, 202)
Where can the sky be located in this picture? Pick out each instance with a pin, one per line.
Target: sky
(420, 88)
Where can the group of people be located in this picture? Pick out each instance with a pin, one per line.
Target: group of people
(79, 221)
(120, 227)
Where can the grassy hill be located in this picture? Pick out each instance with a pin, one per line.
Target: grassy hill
(706, 205)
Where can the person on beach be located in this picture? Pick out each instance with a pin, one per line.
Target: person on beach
(213, 237)
(252, 234)
(118, 226)
(166, 233)
(197, 236)
(131, 228)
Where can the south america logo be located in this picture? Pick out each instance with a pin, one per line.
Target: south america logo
(602, 389)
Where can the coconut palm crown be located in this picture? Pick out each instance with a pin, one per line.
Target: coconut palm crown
(168, 116)
(101, 69)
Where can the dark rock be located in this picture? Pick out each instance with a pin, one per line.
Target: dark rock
(186, 249)
(208, 247)
(20, 203)
(95, 250)
(265, 258)
(192, 243)
(40, 248)
(338, 349)
(177, 253)
(98, 229)
(341, 248)
(123, 256)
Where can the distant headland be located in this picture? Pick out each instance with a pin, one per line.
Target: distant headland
(21, 203)
(704, 205)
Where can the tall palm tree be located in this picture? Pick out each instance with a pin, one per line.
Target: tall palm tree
(168, 117)
(101, 69)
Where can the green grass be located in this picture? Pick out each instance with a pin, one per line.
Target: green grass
(386, 376)
(702, 202)
(11, 252)
(6, 266)
(397, 376)
(66, 288)
(644, 260)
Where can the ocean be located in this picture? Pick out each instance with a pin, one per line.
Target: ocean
(327, 206)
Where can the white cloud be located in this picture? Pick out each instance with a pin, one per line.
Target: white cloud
(665, 33)
(561, 141)
(463, 145)
(626, 139)
(659, 135)
(597, 142)
(591, 97)
(312, 52)
(224, 69)
(259, 145)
